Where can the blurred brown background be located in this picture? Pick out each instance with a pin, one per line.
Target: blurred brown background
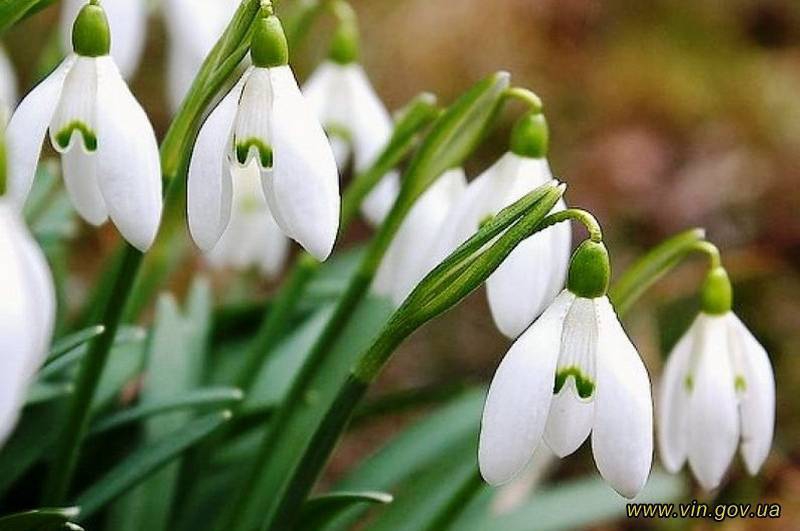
(665, 114)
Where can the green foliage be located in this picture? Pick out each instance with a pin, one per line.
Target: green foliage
(41, 520)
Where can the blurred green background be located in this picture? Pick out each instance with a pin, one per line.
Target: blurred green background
(665, 115)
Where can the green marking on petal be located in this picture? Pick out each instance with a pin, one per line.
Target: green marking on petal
(264, 152)
(583, 383)
(688, 383)
(335, 130)
(65, 134)
(740, 384)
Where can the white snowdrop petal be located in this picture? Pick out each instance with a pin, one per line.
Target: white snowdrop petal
(303, 188)
(377, 204)
(79, 170)
(320, 89)
(8, 83)
(371, 125)
(569, 421)
(252, 135)
(672, 408)
(127, 20)
(561, 250)
(74, 123)
(713, 409)
(128, 166)
(757, 402)
(209, 189)
(407, 260)
(27, 128)
(519, 397)
(274, 249)
(622, 437)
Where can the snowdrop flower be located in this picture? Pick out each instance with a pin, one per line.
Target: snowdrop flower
(128, 22)
(407, 259)
(108, 149)
(265, 120)
(717, 388)
(252, 238)
(8, 87)
(27, 313)
(354, 117)
(193, 27)
(534, 273)
(601, 386)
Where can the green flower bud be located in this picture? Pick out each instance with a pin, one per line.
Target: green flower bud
(344, 46)
(530, 136)
(589, 270)
(91, 36)
(268, 47)
(716, 294)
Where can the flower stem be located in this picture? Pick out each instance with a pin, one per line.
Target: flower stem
(652, 266)
(577, 214)
(526, 96)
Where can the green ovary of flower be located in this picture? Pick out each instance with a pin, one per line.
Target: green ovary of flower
(583, 383)
(65, 134)
(264, 152)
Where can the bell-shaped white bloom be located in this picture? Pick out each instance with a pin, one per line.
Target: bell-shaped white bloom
(27, 313)
(193, 27)
(108, 149)
(717, 388)
(534, 272)
(128, 22)
(252, 238)
(601, 386)
(408, 258)
(8, 87)
(357, 124)
(265, 120)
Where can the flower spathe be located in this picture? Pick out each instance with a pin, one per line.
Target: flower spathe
(601, 386)
(252, 238)
(357, 124)
(534, 273)
(265, 120)
(128, 22)
(27, 313)
(109, 153)
(717, 393)
(408, 257)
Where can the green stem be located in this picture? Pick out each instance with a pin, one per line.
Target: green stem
(91, 369)
(577, 214)
(652, 266)
(175, 151)
(526, 96)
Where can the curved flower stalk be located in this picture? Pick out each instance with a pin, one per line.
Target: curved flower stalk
(8, 87)
(407, 259)
(108, 149)
(193, 27)
(265, 121)
(252, 238)
(128, 22)
(27, 313)
(353, 116)
(717, 390)
(601, 386)
(534, 273)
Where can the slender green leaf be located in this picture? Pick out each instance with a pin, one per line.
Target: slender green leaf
(12, 11)
(145, 461)
(42, 392)
(39, 520)
(321, 509)
(54, 365)
(72, 341)
(210, 397)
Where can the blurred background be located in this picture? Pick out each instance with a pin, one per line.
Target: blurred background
(665, 115)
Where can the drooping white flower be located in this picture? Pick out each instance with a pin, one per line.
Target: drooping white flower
(108, 149)
(534, 273)
(601, 386)
(8, 87)
(27, 313)
(128, 22)
(193, 27)
(408, 257)
(357, 124)
(717, 393)
(252, 238)
(265, 120)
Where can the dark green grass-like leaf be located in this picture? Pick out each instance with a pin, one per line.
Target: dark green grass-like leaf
(320, 509)
(40, 520)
